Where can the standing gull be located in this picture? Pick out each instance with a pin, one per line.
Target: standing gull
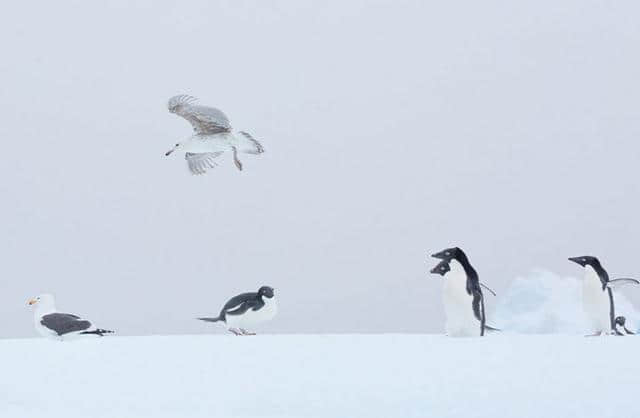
(212, 136)
(246, 310)
(53, 324)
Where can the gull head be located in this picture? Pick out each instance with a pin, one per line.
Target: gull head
(175, 147)
(42, 300)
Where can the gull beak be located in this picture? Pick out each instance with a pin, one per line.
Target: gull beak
(169, 152)
(32, 302)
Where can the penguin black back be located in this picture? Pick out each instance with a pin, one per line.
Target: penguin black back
(241, 303)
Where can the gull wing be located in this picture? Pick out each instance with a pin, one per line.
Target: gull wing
(63, 323)
(199, 163)
(204, 119)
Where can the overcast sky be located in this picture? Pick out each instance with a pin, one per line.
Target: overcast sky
(392, 130)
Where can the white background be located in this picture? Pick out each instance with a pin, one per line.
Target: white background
(392, 130)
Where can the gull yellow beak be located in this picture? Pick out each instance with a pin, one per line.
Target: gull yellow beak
(32, 302)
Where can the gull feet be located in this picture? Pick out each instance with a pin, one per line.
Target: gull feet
(236, 160)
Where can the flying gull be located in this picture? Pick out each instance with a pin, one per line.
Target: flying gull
(246, 310)
(212, 136)
(57, 325)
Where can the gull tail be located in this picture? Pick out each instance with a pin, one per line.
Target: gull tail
(247, 144)
(210, 319)
(99, 332)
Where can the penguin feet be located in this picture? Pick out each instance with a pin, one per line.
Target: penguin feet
(604, 333)
(235, 332)
(245, 332)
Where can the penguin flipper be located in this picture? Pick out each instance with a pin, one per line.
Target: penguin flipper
(490, 328)
(617, 283)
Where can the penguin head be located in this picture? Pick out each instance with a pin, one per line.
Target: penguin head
(266, 291)
(621, 320)
(586, 260)
(442, 268)
(448, 254)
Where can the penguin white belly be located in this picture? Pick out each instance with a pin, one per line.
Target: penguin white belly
(251, 318)
(458, 307)
(596, 304)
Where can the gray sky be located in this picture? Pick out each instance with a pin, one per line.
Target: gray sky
(392, 130)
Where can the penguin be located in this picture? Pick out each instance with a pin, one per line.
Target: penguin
(246, 310)
(621, 327)
(597, 296)
(461, 295)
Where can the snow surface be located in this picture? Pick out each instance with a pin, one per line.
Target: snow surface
(503, 375)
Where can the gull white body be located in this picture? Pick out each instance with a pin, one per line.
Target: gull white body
(458, 304)
(595, 302)
(251, 318)
(41, 310)
(218, 142)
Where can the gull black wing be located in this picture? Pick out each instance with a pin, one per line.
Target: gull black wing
(63, 323)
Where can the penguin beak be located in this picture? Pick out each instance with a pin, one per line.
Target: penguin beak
(442, 255)
(575, 260)
(166, 154)
(440, 269)
(32, 302)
